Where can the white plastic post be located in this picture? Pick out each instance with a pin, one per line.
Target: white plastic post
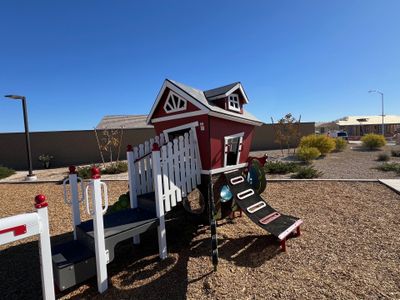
(132, 184)
(73, 182)
(157, 176)
(98, 228)
(45, 248)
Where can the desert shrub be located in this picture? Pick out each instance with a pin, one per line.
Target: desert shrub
(115, 168)
(306, 173)
(323, 143)
(386, 167)
(85, 172)
(308, 154)
(280, 167)
(383, 157)
(396, 153)
(373, 141)
(340, 144)
(6, 172)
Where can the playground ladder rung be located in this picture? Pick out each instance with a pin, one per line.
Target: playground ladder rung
(256, 207)
(237, 180)
(245, 194)
(269, 218)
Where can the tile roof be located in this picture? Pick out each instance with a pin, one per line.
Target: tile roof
(123, 121)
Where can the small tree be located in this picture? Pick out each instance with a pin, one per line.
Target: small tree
(287, 132)
(110, 142)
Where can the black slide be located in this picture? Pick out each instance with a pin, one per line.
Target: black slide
(258, 210)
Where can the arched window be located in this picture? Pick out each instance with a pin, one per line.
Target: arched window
(174, 103)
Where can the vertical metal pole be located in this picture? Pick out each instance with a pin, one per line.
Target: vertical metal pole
(27, 140)
(383, 118)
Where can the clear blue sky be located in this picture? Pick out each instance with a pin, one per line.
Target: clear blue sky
(77, 61)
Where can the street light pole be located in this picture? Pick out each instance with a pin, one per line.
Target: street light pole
(383, 115)
(31, 176)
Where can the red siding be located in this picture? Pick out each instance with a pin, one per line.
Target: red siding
(219, 128)
(159, 111)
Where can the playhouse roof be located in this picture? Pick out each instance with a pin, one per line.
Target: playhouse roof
(205, 99)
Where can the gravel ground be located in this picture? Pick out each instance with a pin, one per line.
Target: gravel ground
(353, 163)
(349, 249)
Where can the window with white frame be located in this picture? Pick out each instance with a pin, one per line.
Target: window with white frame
(174, 103)
(233, 149)
(233, 102)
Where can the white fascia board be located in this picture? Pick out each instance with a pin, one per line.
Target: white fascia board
(184, 95)
(235, 119)
(179, 116)
(223, 169)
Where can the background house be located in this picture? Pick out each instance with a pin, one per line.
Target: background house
(360, 125)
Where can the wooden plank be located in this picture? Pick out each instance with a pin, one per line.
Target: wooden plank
(147, 166)
(187, 163)
(137, 171)
(192, 161)
(182, 166)
(165, 179)
(142, 170)
(176, 171)
(171, 175)
(151, 166)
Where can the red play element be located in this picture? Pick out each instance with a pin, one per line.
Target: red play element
(40, 201)
(156, 147)
(17, 230)
(298, 231)
(129, 148)
(262, 160)
(269, 218)
(283, 245)
(72, 169)
(95, 173)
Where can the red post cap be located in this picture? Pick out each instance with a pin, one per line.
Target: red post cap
(156, 147)
(129, 148)
(40, 201)
(72, 169)
(95, 173)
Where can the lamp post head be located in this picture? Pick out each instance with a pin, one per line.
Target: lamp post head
(16, 97)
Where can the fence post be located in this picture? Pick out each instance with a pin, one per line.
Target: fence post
(98, 228)
(46, 269)
(73, 182)
(132, 183)
(162, 238)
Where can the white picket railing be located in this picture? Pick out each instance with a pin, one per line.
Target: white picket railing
(22, 226)
(180, 169)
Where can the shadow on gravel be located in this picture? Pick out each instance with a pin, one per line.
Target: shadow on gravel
(157, 279)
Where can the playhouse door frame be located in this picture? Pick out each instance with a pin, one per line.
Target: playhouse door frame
(192, 127)
(239, 151)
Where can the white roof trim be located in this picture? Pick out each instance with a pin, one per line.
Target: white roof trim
(237, 86)
(232, 118)
(183, 94)
(179, 116)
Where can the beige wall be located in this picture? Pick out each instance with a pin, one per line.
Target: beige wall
(80, 147)
(264, 136)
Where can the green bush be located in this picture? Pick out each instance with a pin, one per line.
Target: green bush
(6, 172)
(115, 168)
(396, 153)
(341, 144)
(323, 143)
(308, 154)
(280, 167)
(85, 172)
(373, 141)
(383, 157)
(306, 173)
(386, 167)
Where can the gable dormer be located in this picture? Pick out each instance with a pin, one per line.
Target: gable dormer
(230, 97)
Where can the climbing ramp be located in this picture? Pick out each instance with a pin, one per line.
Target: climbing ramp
(259, 211)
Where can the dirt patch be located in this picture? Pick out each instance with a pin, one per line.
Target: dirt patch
(349, 249)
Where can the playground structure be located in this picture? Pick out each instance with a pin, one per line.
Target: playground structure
(203, 143)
